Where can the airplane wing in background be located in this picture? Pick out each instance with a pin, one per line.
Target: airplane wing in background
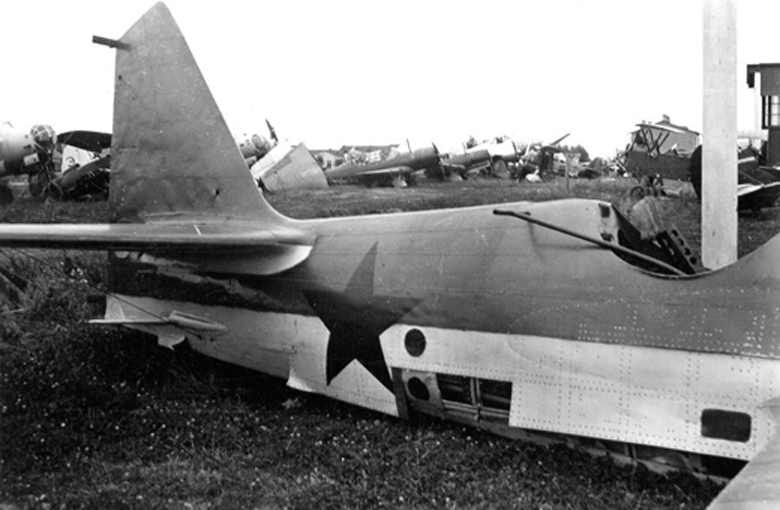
(92, 141)
(392, 170)
(757, 196)
(758, 484)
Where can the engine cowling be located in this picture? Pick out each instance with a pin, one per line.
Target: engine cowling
(25, 151)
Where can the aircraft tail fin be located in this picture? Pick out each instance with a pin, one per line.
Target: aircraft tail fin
(172, 152)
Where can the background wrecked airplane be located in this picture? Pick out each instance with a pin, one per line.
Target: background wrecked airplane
(397, 170)
(87, 180)
(279, 165)
(287, 167)
(26, 151)
(660, 148)
(758, 186)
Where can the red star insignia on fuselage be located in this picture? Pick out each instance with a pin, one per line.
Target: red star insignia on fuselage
(355, 318)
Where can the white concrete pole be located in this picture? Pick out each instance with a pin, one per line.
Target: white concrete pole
(719, 136)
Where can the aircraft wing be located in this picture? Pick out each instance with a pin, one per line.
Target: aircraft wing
(758, 484)
(757, 196)
(269, 249)
(391, 170)
(92, 141)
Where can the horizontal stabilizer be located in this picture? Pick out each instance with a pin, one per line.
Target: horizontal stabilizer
(151, 237)
(271, 249)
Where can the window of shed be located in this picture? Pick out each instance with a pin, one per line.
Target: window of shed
(771, 111)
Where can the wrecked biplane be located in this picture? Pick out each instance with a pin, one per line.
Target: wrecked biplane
(660, 148)
(496, 317)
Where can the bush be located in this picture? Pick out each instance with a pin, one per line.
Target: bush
(57, 372)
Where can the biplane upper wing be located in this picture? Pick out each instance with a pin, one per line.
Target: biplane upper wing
(757, 486)
(659, 127)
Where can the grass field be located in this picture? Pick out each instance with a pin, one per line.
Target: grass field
(99, 418)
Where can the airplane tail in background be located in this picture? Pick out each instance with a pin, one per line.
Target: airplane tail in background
(172, 152)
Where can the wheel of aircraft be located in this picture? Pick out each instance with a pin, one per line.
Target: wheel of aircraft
(637, 192)
(53, 191)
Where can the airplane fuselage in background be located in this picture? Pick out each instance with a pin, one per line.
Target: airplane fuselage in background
(25, 152)
(389, 170)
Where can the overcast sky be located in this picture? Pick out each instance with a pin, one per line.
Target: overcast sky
(360, 72)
